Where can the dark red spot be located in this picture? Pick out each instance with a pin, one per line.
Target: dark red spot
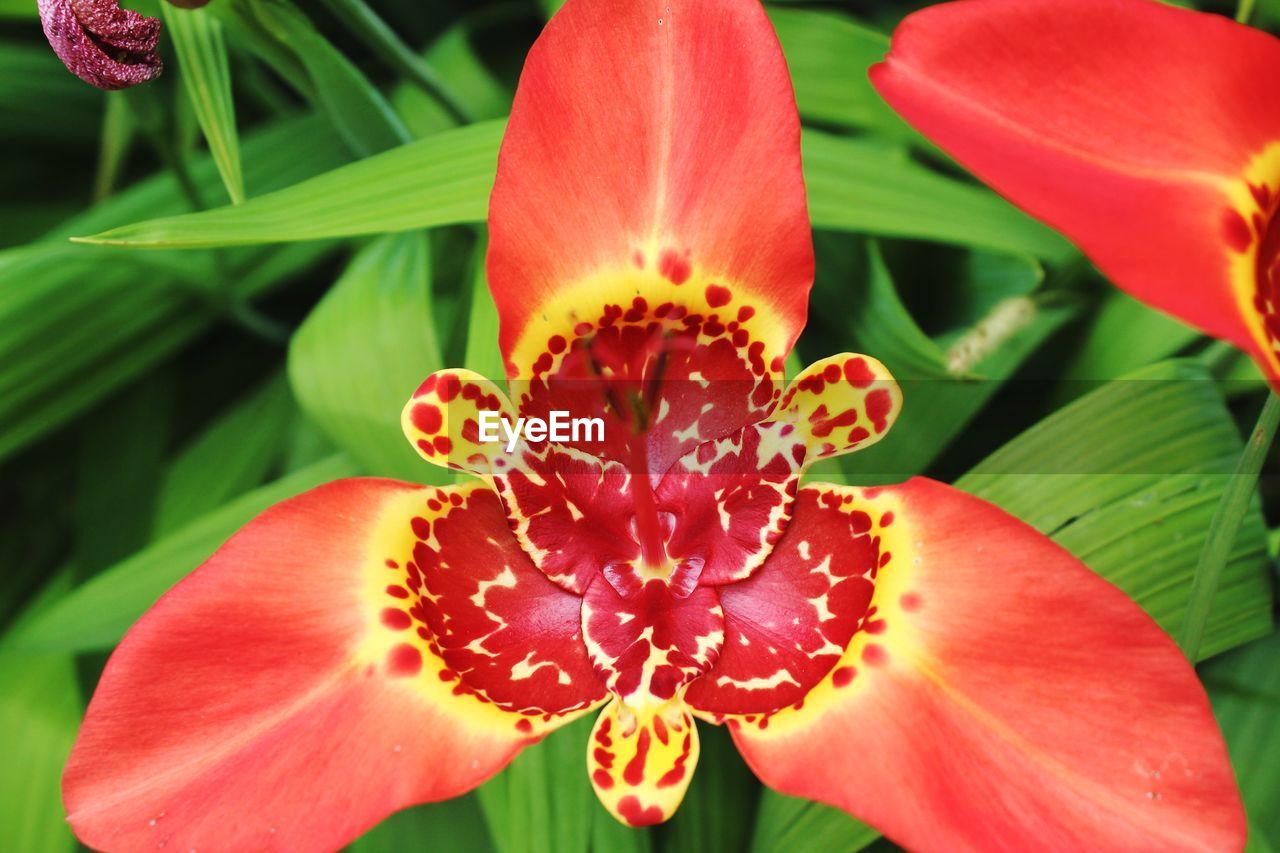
(745, 313)
(636, 815)
(718, 295)
(427, 386)
(524, 726)
(886, 519)
(396, 620)
(404, 660)
(879, 404)
(842, 676)
(397, 592)
(602, 779)
(392, 564)
(634, 774)
(1236, 231)
(421, 529)
(674, 267)
(874, 655)
(427, 418)
(859, 522)
(858, 373)
(557, 344)
(450, 385)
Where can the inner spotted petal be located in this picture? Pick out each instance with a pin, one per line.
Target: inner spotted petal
(641, 761)
(690, 360)
(645, 646)
(506, 634)
(790, 623)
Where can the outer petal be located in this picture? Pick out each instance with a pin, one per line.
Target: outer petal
(281, 698)
(652, 134)
(1148, 134)
(1008, 698)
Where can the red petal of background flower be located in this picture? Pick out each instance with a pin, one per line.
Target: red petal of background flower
(1006, 697)
(1146, 133)
(280, 698)
(102, 44)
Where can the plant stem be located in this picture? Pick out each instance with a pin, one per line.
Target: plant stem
(1243, 10)
(1231, 510)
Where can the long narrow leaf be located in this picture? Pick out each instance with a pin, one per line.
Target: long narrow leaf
(206, 77)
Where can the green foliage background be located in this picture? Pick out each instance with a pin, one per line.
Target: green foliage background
(277, 240)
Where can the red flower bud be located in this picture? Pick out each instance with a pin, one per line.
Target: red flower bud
(102, 44)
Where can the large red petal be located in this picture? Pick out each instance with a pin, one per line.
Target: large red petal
(1007, 698)
(281, 697)
(1148, 134)
(653, 150)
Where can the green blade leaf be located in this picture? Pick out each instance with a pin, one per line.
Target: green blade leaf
(715, 816)
(445, 179)
(440, 180)
(864, 186)
(1244, 688)
(206, 77)
(456, 824)
(96, 614)
(786, 824)
(828, 55)
(357, 109)
(40, 710)
(231, 456)
(542, 802)
(1128, 479)
(364, 349)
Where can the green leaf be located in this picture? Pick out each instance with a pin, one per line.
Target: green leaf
(122, 446)
(40, 100)
(1128, 479)
(715, 816)
(1119, 337)
(364, 23)
(231, 456)
(1244, 688)
(482, 352)
(445, 179)
(1239, 492)
(96, 614)
(943, 388)
(456, 824)
(40, 710)
(864, 186)
(440, 180)
(206, 77)
(483, 96)
(543, 802)
(357, 109)
(786, 824)
(364, 349)
(828, 55)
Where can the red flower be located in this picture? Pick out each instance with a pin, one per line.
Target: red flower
(908, 653)
(1149, 135)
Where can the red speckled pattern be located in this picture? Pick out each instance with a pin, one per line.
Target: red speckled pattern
(788, 625)
(268, 701)
(671, 371)
(507, 634)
